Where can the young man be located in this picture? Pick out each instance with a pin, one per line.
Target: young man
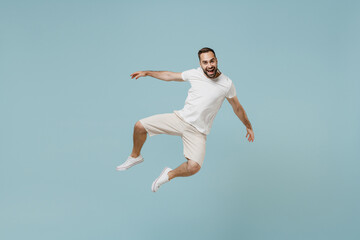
(209, 88)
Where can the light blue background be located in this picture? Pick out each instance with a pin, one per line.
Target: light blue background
(68, 107)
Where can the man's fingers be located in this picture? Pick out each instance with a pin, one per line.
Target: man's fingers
(250, 136)
(137, 75)
(134, 75)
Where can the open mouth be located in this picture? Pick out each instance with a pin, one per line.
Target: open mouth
(211, 71)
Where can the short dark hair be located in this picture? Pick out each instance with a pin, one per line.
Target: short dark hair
(205, 50)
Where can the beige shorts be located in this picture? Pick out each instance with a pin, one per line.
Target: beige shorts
(170, 123)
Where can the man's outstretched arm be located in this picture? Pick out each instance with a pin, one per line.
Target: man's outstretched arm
(162, 75)
(240, 112)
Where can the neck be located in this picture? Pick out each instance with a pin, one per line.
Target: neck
(217, 73)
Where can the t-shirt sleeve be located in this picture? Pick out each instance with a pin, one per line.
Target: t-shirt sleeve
(232, 91)
(186, 75)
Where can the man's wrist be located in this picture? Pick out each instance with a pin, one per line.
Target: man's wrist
(248, 126)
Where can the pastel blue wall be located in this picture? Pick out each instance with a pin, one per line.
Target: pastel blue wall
(68, 106)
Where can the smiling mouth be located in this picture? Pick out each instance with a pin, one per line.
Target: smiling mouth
(212, 71)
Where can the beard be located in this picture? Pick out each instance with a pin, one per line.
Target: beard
(211, 74)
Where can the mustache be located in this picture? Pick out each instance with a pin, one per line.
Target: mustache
(213, 68)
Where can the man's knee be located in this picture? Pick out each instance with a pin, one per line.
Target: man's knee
(193, 167)
(139, 128)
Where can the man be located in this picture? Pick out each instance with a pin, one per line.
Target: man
(209, 88)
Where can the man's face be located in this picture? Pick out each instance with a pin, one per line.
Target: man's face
(208, 63)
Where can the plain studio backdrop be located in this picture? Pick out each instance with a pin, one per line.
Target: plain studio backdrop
(68, 107)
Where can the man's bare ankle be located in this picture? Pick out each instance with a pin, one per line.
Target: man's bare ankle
(134, 155)
(170, 175)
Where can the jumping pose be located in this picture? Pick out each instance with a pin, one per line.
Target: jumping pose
(209, 88)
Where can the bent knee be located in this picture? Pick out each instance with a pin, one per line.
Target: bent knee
(139, 127)
(193, 167)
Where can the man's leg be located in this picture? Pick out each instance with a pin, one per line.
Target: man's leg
(135, 158)
(139, 138)
(194, 149)
(166, 123)
(184, 170)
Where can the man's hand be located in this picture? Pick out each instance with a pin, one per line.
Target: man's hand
(250, 135)
(138, 74)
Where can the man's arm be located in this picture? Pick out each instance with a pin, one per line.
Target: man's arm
(240, 112)
(162, 75)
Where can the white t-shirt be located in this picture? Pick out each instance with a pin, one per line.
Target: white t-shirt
(205, 98)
